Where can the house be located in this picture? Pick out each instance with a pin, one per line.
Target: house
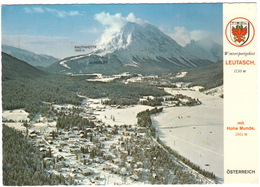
(38, 140)
(138, 165)
(83, 140)
(129, 129)
(107, 168)
(98, 108)
(85, 161)
(63, 144)
(42, 149)
(81, 132)
(60, 166)
(123, 172)
(103, 139)
(139, 170)
(86, 171)
(41, 145)
(33, 132)
(60, 158)
(73, 136)
(134, 177)
(129, 159)
(92, 117)
(116, 170)
(124, 152)
(50, 142)
(98, 160)
(116, 161)
(73, 175)
(65, 137)
(75, 128)
(72, 140)
(81, 135)
(52, 133)
(80, 155)
(107, 156)
(48, 138)
(32, 135)
(88, 130)
(89, 134)
(126, 133)
(154, 175)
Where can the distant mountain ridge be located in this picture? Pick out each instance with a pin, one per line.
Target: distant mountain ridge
(140, 49)
(15, 69)
(29, 57)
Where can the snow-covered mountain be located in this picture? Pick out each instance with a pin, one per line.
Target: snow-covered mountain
(140, 49)
(206, 49)
(29, 57)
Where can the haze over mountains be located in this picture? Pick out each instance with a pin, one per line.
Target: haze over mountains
(141, 49)
(29, 57)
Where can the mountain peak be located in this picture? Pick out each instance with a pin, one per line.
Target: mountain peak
(141, 38)
(140, 48)
(206, 48)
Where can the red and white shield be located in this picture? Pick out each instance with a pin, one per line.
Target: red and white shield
(240, 32)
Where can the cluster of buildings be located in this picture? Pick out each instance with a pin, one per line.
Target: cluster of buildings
(91, 155)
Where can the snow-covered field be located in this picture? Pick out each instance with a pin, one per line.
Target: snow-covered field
(20, 115)
(195, 132)
(121, 116)
(44, 127)
(16, 115)
(17, 125)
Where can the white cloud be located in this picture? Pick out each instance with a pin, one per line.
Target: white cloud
(182, 36)
(113, 23)
(28, 10)
(59, 13)
(91, 30)
(38, 10)
(56, 46)
(62, 14)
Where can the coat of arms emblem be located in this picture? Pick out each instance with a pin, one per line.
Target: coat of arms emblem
(240, 32)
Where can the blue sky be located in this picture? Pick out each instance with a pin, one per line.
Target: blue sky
(56, 29)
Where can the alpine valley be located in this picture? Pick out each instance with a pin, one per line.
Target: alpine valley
(138, 109)
(141, 48)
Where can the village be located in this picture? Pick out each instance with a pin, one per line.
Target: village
(90, 156)
(109, 151)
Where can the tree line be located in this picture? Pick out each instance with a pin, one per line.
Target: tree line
(144, 119)
(73, 120)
